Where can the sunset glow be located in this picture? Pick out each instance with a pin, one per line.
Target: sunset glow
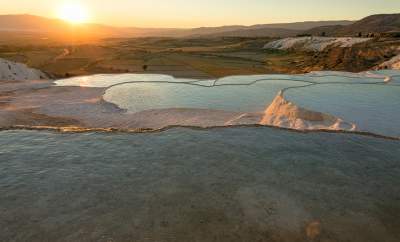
(73, 13)
(189, 14)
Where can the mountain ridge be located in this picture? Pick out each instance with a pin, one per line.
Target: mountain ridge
(372, 24)
(378, 23)
(33, 23)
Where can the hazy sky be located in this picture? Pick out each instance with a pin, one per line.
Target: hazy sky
(187, 13)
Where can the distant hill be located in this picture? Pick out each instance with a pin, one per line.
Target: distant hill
(36, 24)
(259, 30)
(29, 23)
(303, 25)
(52, 27)
(375, 23)
(380, 23)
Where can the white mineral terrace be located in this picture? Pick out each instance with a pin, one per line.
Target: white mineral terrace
(316, 44)
(157, 101)
(10, 70)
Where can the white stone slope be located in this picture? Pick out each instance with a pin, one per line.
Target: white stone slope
(393, 64)
(13, 71)
(315, 44)
(285, 114)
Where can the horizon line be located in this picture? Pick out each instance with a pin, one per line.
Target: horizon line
(175, 27)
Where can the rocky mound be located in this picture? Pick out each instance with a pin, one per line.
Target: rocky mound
(377, 24)
(285, 114)
(16, 71)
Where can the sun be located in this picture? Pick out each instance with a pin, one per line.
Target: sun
(73, 12)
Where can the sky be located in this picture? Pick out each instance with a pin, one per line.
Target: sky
(196, 13)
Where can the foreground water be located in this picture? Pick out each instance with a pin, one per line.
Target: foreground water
(236, 184)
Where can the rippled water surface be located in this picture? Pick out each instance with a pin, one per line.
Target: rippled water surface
(238, 184)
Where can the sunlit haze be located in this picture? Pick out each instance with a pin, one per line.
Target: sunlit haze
(73, 12)
(183, 13)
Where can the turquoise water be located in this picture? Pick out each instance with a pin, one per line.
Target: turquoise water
(138, 97)
(221, 184)
(235, 184)
(350, 77)
(373, 108)
(395, 74)
(105, 80)
(364, 99)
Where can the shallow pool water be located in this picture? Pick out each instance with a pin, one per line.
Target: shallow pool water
(373, 108)
(369, 100)
(106, 80)
(144, 96)
(237, 184)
